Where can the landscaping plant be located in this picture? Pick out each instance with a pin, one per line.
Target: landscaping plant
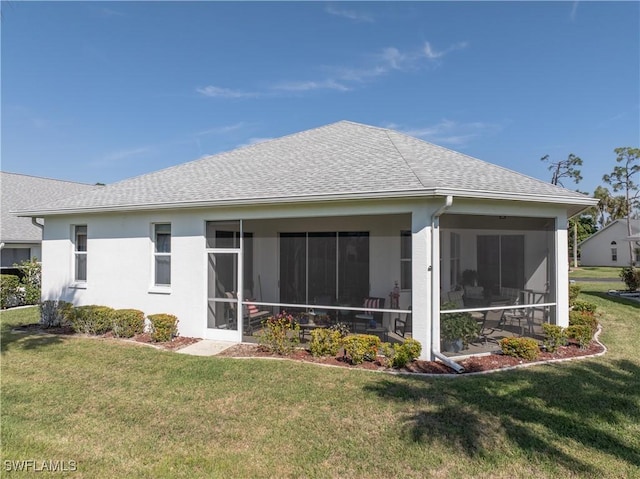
(164, 327)
(54, 313)
(280, 333)
(325, 342)
(91, 319)
(555, 336)
(631, 277)
(523, 348)
(127, 322)
(361, 347)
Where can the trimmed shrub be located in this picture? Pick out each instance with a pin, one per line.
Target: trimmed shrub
(583, 318)
(523, 348)
(164, 327)
(325, 342)
(399, 355)
(361, 347)
(32, 274)
(10, 292)
(555, 336)
(584, 306)
(631, 277)
(280, 333)
(127, 322)
(574, 291)
(91, 319)
(54, 313)
(581, 333)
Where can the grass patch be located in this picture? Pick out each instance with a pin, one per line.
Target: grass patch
(596, 272)
(132, 411)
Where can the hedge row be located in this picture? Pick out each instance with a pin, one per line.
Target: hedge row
(97, 320)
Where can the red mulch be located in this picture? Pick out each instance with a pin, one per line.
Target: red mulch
(473, 364)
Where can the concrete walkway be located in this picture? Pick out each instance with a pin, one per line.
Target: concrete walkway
(206, 347)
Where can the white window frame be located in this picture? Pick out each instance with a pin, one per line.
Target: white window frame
(160, 254)
(77, 253)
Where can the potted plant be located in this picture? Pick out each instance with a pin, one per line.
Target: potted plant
(457, 329)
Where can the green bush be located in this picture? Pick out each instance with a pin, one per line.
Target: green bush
(523, 348)
(361, 347)
(164, 327)
(631, 277)
(454, 326)
(574, 291)
(325, 342)
(280, 333)
(584, 306)
(127, 322)
(583, 318)
(10, 293)
(54, 313)
(555, 336)
(581, 333)
(91, 319)
(32, 273)
(399, 355)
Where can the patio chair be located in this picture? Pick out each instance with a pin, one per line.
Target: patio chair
(457, 298)
(493, 321)
(400, 325)
(372, 319)
(474, 297)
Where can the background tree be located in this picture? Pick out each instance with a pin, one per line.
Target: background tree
(567, 169)
(622, 178)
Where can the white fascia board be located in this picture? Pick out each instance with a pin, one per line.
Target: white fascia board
(581, 203)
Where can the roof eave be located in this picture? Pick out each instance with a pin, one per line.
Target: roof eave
(579, 203)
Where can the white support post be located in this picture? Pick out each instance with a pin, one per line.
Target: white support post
(421, 279)
(562, 272)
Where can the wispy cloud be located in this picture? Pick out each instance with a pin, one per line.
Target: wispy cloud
(121, 155)
(574, 10)
(328, 84)
(219, 130)
(343, 79)
(219, 92)
(109, 12)
(449, 132)
(350, 14)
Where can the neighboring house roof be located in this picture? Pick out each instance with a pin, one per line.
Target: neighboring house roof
(342, 160)
(23, 192)
(635, 229)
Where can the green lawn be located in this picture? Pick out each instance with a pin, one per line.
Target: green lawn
(597, 272)
(122, 410)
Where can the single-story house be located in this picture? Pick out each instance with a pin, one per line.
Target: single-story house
(20, 238)
(610, 245)
(326, 217)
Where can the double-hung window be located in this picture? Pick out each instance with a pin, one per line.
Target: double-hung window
(80, 253)
(162, 253)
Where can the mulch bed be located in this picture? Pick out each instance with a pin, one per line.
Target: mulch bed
(474, 364)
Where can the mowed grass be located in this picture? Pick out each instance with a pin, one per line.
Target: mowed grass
(597, 272)
(122, 410)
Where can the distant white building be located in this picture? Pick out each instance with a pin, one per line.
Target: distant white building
(609, 246)
(20, 238)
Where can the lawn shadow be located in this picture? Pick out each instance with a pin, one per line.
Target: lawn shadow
(614, 299)
(566, 403)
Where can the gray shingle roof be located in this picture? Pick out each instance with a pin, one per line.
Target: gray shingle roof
(24, 192)
(340, 160)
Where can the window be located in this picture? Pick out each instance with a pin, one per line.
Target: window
(162, 254)
(11, 256)
(80, 253)
(614, 251)
(405, 260)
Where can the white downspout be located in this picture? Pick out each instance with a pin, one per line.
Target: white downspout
(435, 285)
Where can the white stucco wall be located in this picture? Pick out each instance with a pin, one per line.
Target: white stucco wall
(596, 251)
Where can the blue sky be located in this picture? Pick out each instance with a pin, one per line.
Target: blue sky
(103, 91)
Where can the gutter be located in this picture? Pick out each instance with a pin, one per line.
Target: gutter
(584, 202)
(435, 273)
(34, 221)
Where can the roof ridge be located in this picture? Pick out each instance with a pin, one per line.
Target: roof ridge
(46, 178)
(386, 132)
